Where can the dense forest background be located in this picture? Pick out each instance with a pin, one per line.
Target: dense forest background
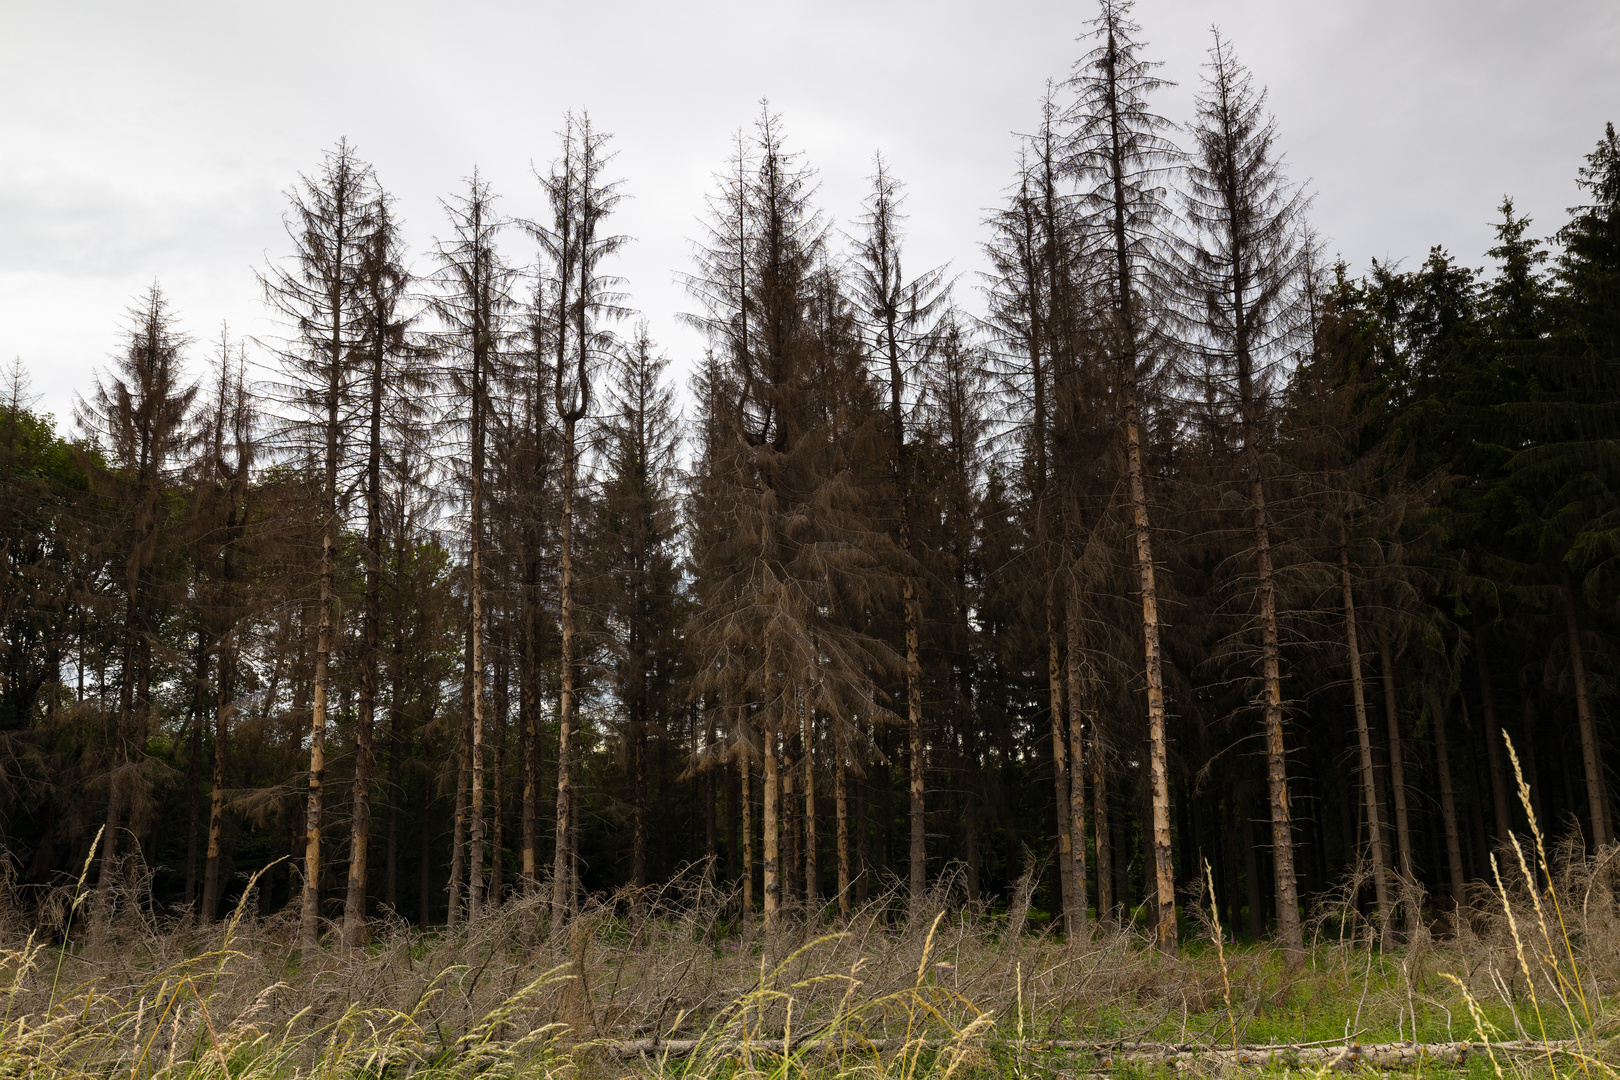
(1192, 548)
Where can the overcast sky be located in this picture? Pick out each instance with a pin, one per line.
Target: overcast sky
(157, 139)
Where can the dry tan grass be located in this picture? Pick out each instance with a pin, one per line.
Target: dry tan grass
(663, 983)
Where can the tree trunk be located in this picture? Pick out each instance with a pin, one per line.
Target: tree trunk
(1493, 737)
(310, 914)
(216, 802)
(497, 788)
(562, 868)
(1282, 825)
(914, 733)
(529, 706)
(354, 904)
(1369, 790)
(812, 867)
(458, 832)
(475, 677)
(396, 754)
(1397, 780)
(1099, 825)
(1078, 697)
(745, 777)
(771, 821)
(1060, 766)
(1597, 791)
(1448, 816)
(787, 809)
(841, 813)
(194, 772)
(638, 791)
(1158, 766)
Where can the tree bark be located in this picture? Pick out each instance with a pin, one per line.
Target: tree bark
(1493, 737)
(1597, 791)
(1099, 824)
(745, 776)
(310, 913)
(812, 868)
(216, 801)
(1158, 766)
(1078, 697)
(1282, 825)
(1397, 779)
(1369, 790)
(1448, 816)
(458, 833)
(475, 677)
(841, 813)
(562, 868)
(529, 706)
(771, 821)
(1060, 765)
(918, 885)
(396, 762)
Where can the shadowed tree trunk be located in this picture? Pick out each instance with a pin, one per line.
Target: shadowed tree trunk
(1078, 699)
(1397, 780)
(1369, 791)
(1597, 792)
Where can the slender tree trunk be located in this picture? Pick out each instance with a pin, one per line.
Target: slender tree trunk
(1282, 825)
(529, 706)
(396, 753)
(1060, 766)
(638, 792)
(458, 832)
(309, 918)
(771, 819)
(216, 801)
(424, 881)
(745, 777)
(562, 870)
(710, 795)
(1078, 697)
(194, 771)
(914, 730)
(493, 891)
(788, 859)
(1099, 823)
(1158, 768)
(1597, 792)
(841, 812)
(1493, 737)
(812, 867)
(1397, 779)
(1448, 817)
(1369, 790)
(475, 677)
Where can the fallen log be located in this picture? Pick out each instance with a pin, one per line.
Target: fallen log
(1392, 1055)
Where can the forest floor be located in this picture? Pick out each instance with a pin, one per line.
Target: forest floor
(672, 987)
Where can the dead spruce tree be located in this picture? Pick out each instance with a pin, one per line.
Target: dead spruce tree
(1121, 159)
(792, 548)
(896, 315)
(578, 299)
(222, 489)
(1244, 316)
(382, 327)
(471, 302)
(318, 295)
